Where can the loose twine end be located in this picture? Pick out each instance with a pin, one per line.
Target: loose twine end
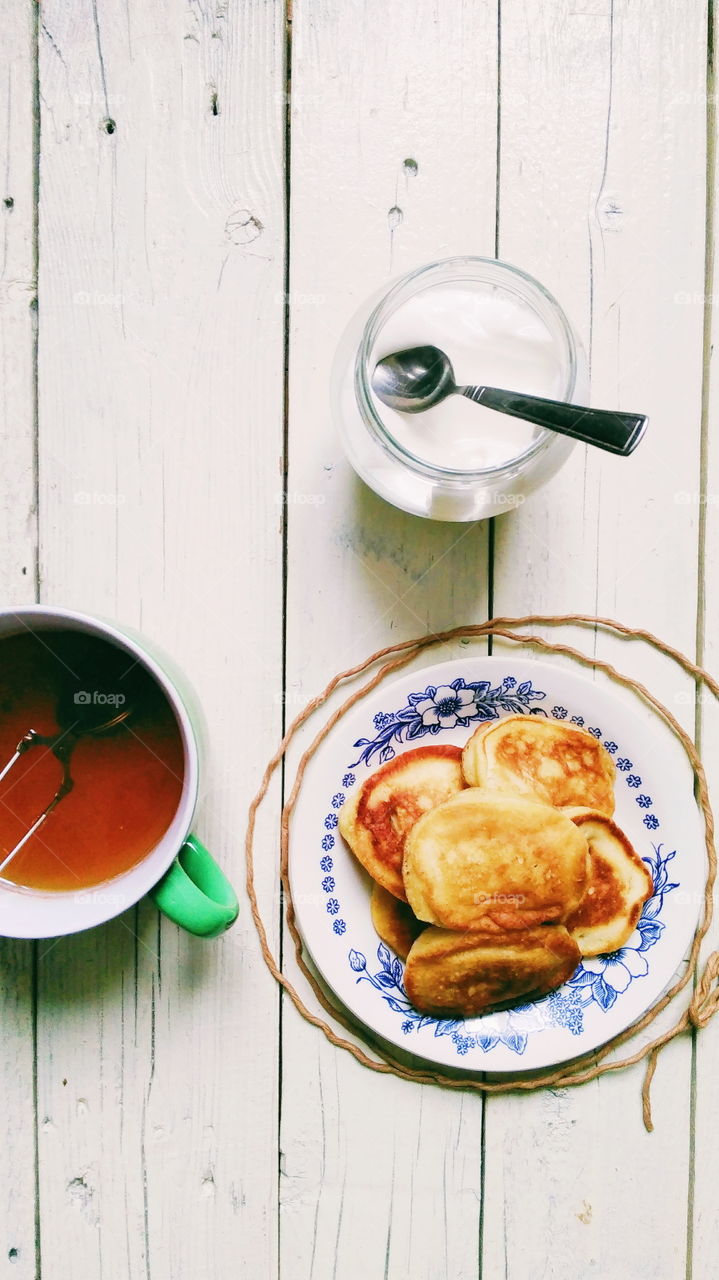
(646, 1091)
(700, 1010)
(705, 1001)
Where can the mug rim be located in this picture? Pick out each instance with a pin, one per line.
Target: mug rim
(26, 912)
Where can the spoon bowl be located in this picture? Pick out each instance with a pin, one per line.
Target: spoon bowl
(414, 380)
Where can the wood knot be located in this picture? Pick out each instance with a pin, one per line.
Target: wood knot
(610, 214)
(242, 227)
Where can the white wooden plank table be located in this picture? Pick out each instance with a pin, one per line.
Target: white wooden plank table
(195, 198)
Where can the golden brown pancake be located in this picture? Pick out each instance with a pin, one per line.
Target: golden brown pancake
(375, 820)
(618, 885)
(484, 861)
(542, 759)
(466, 974)
(395, 921)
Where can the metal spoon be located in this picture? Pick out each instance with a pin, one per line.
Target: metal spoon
(76, 719)
(414, 380)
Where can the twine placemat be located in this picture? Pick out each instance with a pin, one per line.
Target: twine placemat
(705, 996)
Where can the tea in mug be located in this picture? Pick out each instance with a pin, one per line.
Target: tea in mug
(127, 777)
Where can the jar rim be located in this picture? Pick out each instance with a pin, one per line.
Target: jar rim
(509, 275)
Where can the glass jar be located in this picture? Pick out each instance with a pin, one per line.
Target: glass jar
(384, 452)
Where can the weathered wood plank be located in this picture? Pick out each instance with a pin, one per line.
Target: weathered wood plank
(597, 109)
(161, 372)
(393, 149)
(18, 287)
(18, 565)
(704, 498)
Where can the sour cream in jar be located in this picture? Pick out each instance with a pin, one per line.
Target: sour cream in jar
(459, 460)
(493, 338)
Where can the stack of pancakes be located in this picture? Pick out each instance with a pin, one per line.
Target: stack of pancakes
(498, 867)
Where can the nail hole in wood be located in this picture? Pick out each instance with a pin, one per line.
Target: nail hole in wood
(109, 126)
(8, 202)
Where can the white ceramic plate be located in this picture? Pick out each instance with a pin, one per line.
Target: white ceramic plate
(654, 806)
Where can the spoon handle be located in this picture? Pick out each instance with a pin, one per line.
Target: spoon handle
(616, 432)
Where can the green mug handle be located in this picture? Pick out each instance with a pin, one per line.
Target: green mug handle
(195, 893)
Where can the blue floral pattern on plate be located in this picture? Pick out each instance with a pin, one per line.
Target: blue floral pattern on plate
(598, 980)
(445, 707)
